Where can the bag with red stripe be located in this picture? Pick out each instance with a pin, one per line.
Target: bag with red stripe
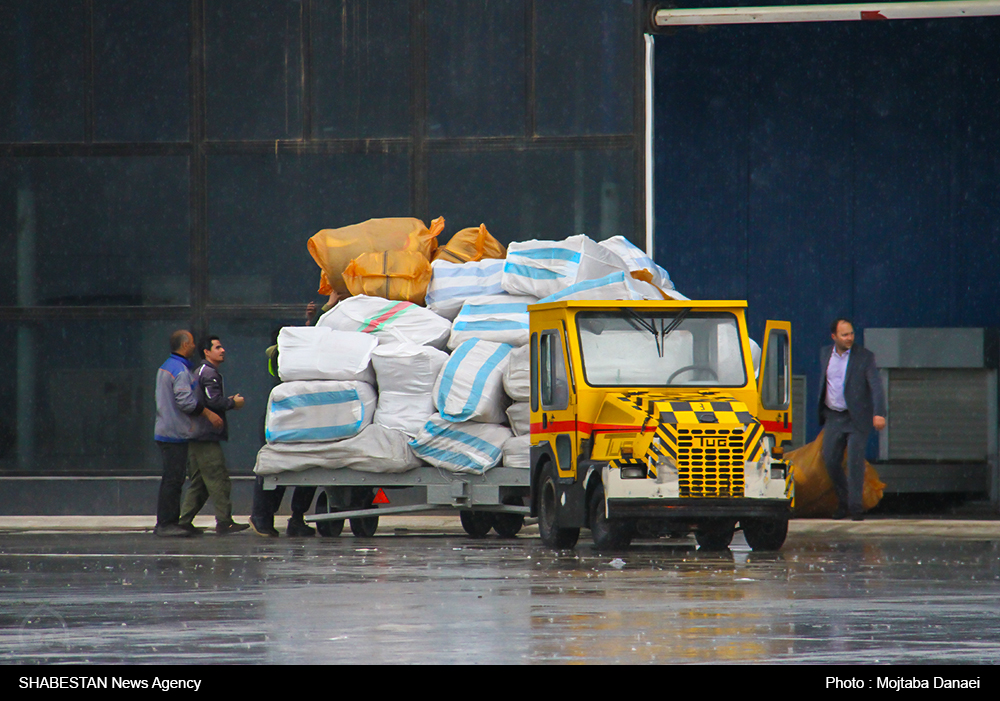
(391, 322)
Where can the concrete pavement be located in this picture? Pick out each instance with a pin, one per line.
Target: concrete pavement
(448, 523)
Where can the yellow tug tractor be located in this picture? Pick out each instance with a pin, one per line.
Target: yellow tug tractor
(649, 418)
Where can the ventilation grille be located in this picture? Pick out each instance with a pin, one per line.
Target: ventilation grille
(710, 462)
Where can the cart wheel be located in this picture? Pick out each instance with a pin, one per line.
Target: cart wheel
(476, 523)
(608, 535)
(715, 535)
(327, 529)
(363, 527)
(548, 513)
(509, 525)
(765, 533)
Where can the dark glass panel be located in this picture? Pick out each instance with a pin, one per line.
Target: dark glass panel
(141, 56)
(476, 82)
(94, 231)
(361, 69)
(80, 396)
(584, 67)
(538, 194)
(253, 69)
(42, 70)
(263, 209)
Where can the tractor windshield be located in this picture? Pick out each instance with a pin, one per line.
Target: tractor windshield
(676, 348)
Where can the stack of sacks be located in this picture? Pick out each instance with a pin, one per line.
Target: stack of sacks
(326, 391)
(321, 415)
(408, 359)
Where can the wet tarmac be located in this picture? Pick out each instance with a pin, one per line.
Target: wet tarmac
(835, 594)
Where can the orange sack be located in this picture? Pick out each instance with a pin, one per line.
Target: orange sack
(471, 245)
(814, 493)
(396, 275)
(334, 249)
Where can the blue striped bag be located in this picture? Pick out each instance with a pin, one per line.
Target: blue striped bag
(541, 268)
(499, 318)
(318, 410)
(453, 283)
(460, 447)
(470, 386)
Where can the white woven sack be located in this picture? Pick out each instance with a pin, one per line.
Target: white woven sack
(541, 268)
(453, 283)
(470, 387)
(406, 376)
(407, 367)
(498, 318)
(375, 449)
(321, 353)
(517, 376)
(460, 447)
(517, 452)
(636, 259)
(618, 285)
(319, 410)
(391, 322)
(519, 416)
(403, 411)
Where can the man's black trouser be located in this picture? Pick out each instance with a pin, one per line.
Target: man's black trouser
(168, 503)
(838, 435)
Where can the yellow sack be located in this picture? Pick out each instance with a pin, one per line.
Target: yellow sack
(334, 249)
(470, 245)
(814, 493)
(395, 275)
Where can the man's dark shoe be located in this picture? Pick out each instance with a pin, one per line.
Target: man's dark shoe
(858, 517)
(227, 528)
(297, 528)
(172, 530)
(840, 513)
(261, 530)
(191, 528)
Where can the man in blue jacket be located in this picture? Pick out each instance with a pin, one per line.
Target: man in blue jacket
(851, 403)
(176, 406)
(206, 461)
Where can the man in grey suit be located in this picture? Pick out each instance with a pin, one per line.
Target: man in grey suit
(851, 403)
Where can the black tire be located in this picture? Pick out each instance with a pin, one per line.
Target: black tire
(509, 525)
(327, 529)
(366, 526)
(476, 523)
(715, 535)
(608, 535)
(548, 513)
(765, 533)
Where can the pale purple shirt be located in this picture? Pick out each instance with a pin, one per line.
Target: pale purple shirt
(836, 371)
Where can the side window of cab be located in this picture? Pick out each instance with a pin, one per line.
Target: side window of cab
(553, 380)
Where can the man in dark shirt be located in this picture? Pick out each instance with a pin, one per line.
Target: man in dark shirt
(851, 404)
(206, 461)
